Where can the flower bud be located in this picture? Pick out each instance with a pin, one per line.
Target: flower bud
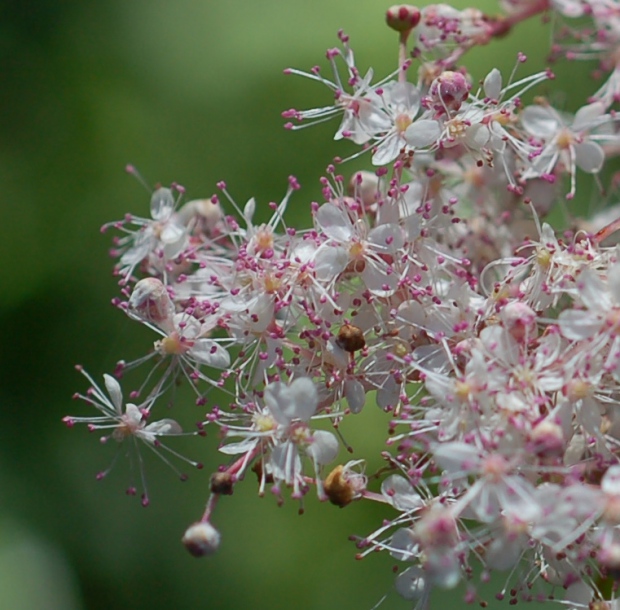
(365, 186)
(402, 17)
(222, 483)
(520, 321)
(206, 210)
(547, 439)
(201, 539)
(448, 91)
(150, 301)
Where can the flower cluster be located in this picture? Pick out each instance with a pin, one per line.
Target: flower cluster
(432, 287)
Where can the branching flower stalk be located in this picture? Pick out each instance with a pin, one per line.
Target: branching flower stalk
(432, 287)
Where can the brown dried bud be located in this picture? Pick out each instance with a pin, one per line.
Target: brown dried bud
(257, 469)
(201, 539)
(338, 488)
(350, 338)
(222, 483)
(402, 17)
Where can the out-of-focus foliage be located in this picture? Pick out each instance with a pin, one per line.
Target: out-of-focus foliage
(191, 92)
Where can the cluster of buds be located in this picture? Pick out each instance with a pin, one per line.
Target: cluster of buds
(432, 288)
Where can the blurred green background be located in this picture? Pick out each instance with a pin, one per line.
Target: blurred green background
(188, 91)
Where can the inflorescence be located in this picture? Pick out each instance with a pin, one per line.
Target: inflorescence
(431, 287)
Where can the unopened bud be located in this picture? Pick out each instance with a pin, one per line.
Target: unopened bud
(201, 539)
(365, 186)
(222, 483)
(402, 17)
(520, 321)
(150, 301)
(448, 91)
(548, 439)
(204, 209)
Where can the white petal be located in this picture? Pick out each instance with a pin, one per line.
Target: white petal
(589, 157)
(586, 115)
(403, 545)
(613, 282)
(164, 427)
(334, 222)
(261, 312)
(329, 262)
(457, 457)
(405, 95)
(305, 398)
(387, 238)
(504, 552)
(580, 594)
(577, 325)
(285, 463)
(248, 210)
(388, 149)
(324, 447)
(400, 493)
(187, 326)
(500, 343)
(133, 416)
(388, 394)
(377, 280)
(277, 395)
(477, 136)
(610, 483)
(297, 401)
(162, 204)
(422, 133)
(540, 121)
(211, 353)
(114, 390)
(241, 447)
(172, 233)
(354, 394)
(335, 355)
(593, 292)
(432, 357)
(411, 584)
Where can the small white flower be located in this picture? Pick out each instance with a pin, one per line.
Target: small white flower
(128, 423)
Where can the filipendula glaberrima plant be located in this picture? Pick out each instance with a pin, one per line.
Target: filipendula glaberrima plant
(432, 284)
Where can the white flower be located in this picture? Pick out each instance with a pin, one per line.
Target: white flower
(572, 143)
(158, 240)
(280, 429)
(352, 242)
(128, 423)
(400, 103)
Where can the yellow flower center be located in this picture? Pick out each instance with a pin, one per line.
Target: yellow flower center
(565, 139)
(543, 257)
(172, 345)
(401, 122)
(264, 422)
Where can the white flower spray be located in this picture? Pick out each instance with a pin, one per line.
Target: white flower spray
(429, 287)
